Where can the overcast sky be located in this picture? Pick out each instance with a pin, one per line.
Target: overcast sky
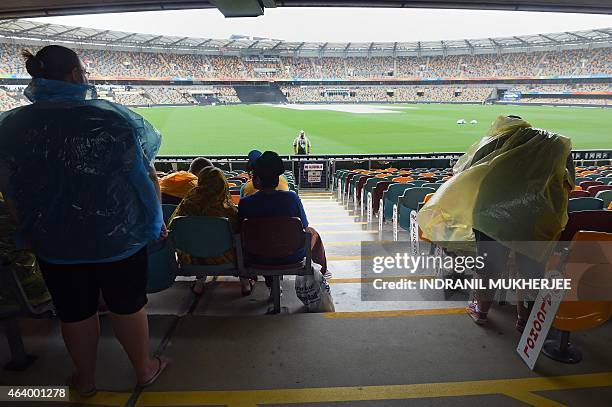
(343, 24)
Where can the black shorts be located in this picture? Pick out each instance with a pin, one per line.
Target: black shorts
(75, 288)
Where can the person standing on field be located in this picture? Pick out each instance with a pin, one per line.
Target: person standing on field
(301, 145)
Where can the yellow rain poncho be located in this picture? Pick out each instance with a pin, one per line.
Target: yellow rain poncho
(512, 185)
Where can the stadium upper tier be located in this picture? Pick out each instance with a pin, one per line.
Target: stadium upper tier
(111, 55)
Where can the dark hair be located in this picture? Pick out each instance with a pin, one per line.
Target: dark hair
(268, 168)
(51, 62)
(198, 164)
(268, 180)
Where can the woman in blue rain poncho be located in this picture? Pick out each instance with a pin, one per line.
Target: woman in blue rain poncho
(77, 174)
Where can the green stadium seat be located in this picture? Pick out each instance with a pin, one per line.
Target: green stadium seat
(584, 204)
(605, 196)
(162, 267)
(206, 236)
(407, 203)
(582, 179)
(167, 211)
(393, 192)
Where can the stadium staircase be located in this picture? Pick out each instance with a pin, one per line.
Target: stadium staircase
(260, 94)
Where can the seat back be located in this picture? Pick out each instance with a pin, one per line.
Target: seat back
(605, 196)
(594, 190)
(390, 198)
(434, 185)
(167, 211)
(273, 238)
(584, 204)
(360, 184)
(370, 184)
(162, 267)
(579, 194)
(413, 196)
(589, 266)
(586, 184)
(202, 236)
(402, 180)
(408, 202)
(347, 181)
(597, 221)
(377, 194)
(605, 180)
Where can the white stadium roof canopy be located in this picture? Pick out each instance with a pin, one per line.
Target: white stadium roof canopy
(242, 8)
(25, 31)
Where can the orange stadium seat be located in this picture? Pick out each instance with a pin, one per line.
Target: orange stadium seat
(402, 180)
(590, 267)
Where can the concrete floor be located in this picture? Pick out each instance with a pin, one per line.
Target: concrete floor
(225, 351)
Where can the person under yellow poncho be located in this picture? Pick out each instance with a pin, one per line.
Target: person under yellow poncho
(509, 190)
(210, 197)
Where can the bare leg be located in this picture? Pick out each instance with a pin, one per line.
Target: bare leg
(81, 339)
(318, 251)
(132, 331)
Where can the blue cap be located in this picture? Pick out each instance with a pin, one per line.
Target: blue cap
(253, 156)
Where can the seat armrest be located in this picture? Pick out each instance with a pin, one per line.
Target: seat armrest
(43, 310)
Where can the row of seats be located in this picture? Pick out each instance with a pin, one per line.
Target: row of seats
(390, 193)
(589, 221)
(212, 237)
(593, 189)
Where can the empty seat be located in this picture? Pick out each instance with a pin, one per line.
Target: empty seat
(578, 194)
(595, 189)
(588, 265)
(408, 202)
(605, 196)
(377, 194)
(605, 180)
(597, 221)
(584, 204)
(402, 180)
(586, 184)
(393, 192)
(429, 179)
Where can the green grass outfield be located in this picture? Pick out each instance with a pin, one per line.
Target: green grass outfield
(212, 130)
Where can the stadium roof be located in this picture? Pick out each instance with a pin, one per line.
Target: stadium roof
(25, 30)
(238, 8)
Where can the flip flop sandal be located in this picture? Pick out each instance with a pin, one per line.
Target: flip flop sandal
(83, 394)
(153, 378)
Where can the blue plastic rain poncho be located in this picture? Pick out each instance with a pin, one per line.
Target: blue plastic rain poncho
(76, 170)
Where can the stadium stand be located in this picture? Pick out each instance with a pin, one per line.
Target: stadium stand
(223, 351)
(536, 67)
